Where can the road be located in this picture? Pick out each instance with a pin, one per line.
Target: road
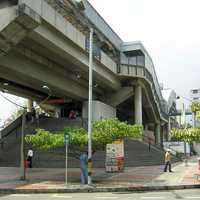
(169, 195)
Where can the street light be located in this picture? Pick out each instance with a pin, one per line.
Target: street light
(49, 94)
(90, 108)
(193, 116)
(184, 121)
(22, 164)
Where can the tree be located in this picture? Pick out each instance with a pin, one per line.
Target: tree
(188, 135)
(195, 108)
(104, 132)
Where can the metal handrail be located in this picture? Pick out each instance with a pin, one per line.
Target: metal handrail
(149, 77)
(14, 128)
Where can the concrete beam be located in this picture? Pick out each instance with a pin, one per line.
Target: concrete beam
(57, 31)
(18, 63)
(49, 63)
(15, 24)
(18, 78)
(114, 99)
(138, 104)
(20, 92)
(66, 49)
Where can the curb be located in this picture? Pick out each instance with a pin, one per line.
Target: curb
(88, 189)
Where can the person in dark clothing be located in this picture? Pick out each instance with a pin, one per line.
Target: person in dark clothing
(30, 157)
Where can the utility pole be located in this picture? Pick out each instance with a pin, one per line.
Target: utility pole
(66, 141)
(90, 108)
(22, 164)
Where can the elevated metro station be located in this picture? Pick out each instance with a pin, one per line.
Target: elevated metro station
(46, 43)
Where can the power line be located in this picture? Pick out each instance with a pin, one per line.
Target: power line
(12, 101)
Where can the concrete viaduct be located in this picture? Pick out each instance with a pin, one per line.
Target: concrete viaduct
(45, 42)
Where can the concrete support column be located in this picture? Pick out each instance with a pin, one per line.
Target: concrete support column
(138, 104)
(58, 113)
(169, 125)
(146, 127)
(162, 130)
(158, 133)
(169, 128)
(29, 105)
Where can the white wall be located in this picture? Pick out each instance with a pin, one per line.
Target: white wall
(196, 147)
(100, 110)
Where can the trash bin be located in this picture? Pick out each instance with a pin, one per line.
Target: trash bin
(198, 160)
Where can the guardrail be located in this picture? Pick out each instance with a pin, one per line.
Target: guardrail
(11, 127)
(101, 56)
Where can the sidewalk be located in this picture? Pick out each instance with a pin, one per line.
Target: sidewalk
(137, 178)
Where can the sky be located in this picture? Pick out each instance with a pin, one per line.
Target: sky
(169, 30)
(7, 108)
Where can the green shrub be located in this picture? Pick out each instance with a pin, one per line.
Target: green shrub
(103, 132)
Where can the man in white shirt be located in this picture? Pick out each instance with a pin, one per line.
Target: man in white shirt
(30, 157)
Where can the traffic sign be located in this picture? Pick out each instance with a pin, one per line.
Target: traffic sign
(66, 138)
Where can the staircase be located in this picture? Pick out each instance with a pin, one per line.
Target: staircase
(11, 140)
(9, 144)
(136, 152)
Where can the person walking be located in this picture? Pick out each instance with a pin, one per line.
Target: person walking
(30, 157)
(84, 169)
(168, 158)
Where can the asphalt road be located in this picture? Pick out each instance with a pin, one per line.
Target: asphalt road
(169, 195)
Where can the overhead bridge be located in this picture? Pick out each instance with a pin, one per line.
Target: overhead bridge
(45, 42)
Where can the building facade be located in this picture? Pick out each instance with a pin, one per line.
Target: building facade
(195, 94)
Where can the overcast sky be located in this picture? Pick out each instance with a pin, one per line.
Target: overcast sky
(169, 30)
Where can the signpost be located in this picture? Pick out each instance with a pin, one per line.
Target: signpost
(115, 156)
(66, 140)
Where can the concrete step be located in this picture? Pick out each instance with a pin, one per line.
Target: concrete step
(136, 152)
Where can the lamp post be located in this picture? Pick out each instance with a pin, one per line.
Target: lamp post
(90, 108)
(184, 121)
(193, 115)
(49, 95)
(22, 164)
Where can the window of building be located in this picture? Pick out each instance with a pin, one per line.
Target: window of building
(194, 91)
